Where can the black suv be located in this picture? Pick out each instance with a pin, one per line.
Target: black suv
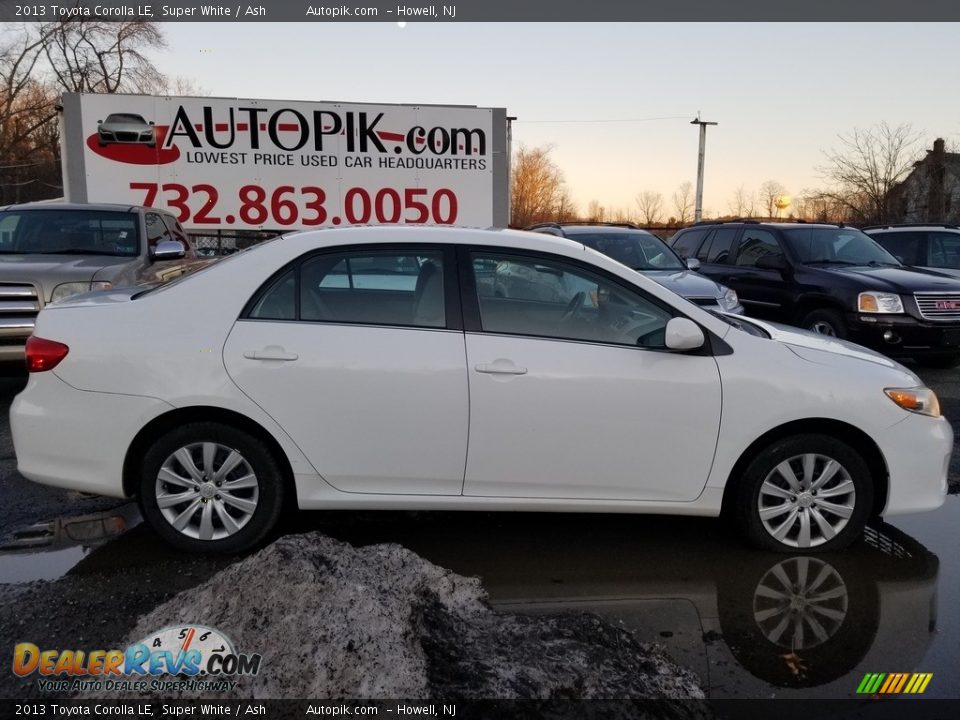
(834, 280)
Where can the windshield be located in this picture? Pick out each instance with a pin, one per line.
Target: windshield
(637, 250)
(69, 232)
(836, 246)
(118, 118)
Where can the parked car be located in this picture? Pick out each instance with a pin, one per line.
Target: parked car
(645, 252)
(931, 247)
(126, 128)
(50, 251)
(833, 280)
(296, 387)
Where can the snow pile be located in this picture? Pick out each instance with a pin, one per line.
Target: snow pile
(336, 621)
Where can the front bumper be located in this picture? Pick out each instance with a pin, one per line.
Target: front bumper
(76, 439)
(917, 452)
(903, 335)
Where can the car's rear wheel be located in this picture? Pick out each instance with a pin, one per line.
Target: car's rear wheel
(211, 487)
(806, 493)
(825, 322)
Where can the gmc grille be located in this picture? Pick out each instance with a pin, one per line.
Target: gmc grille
(939, 305)
(19, 305)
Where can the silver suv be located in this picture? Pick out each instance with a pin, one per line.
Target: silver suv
(49, 251)
(929, 246)
(646, 253)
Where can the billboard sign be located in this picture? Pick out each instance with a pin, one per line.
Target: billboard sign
(220, 163)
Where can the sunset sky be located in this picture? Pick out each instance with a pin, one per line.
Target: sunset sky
(781, 92)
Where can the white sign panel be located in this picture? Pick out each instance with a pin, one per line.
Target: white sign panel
(251, 164)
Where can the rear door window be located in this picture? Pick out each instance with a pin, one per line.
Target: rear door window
(718, 251)
(754, 245)
(687, 243)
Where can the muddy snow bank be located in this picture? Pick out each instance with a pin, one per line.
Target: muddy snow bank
(336, 621)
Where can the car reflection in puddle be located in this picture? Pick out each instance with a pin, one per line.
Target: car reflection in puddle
(758, 625)
(750, 624)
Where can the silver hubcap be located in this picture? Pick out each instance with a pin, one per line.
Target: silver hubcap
(806, 500)
(800, 603)
(207, 491)
(823, 328)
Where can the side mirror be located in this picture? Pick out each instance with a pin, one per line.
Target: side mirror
(683, 334)
(693, 264)
(99, 122)
(169, 250)
(151, 122)
(772, 262)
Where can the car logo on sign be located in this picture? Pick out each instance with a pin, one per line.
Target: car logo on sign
(948, 305)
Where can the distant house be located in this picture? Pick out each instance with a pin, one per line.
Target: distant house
(931, 192)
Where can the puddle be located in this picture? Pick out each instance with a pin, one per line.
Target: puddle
(750, 624)
(25, 567)
(47, 551)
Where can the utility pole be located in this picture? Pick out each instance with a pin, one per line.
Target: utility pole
(698, 202)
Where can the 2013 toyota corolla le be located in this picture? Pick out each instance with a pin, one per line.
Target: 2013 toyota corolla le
(377, 368)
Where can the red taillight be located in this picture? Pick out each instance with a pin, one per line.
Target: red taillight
(44, 354)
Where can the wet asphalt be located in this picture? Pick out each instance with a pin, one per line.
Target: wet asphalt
(76, 571)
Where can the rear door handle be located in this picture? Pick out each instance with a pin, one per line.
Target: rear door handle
(500, 367)
(271, 352)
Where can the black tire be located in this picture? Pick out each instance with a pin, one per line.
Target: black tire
(853, 468)
(268, 494)
(939, 361)
(825, 319)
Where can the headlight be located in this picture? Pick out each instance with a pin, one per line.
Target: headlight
(729, 299)
(877, 302)
(919, 400)
(65, 290)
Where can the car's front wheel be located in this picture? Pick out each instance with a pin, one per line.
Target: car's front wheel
(211, 487)
(805, 493)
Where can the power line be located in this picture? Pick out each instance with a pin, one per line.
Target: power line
(609, 120)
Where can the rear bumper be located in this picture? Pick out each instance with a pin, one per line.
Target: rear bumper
(76, 439)
(903, 335)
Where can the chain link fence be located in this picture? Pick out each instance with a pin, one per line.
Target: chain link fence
(218, 243)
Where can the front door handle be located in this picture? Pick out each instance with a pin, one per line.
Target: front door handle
(271, 352)
(500, 367)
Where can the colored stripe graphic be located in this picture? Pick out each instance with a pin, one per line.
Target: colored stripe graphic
(894, 683)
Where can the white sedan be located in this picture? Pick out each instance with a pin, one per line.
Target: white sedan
(376, 368)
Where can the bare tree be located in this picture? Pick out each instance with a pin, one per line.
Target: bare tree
(821, 206)
(537, 189)
(650, 205)
(103, 57)
(743, 203)
(596, 212)
(866, 166)
(29, 161)
(181, 86)
(40, 61)
(683, 203)
(770, 192)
